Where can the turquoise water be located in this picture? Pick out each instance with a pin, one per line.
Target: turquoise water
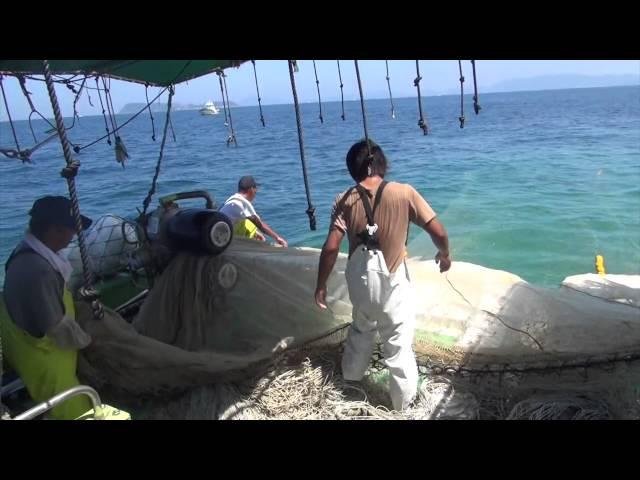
(537, 184)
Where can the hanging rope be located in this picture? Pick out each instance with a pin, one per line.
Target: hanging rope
(121, 150)
(173, 133)
(78, 94)
(67, 83)
(153, 125)
(152, 190)
(20, 153)
(461, 117)
(421, 122)
(364, 114)
(224, 104)
(311, 210)
(106, 125)
(77, 148)
(106, 99)
(232, 138)
(27, 95)
(476, 105)
(25, 155)
(75, 101)
(69, 173)
(224, 108)
(318, 88)
(341, 91)
(110, 110)
(25, 92)
(89, 97)
(142, 110)
(253, 62)
(393, 110)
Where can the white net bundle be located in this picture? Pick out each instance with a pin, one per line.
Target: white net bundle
(213, 331)
(109, 239)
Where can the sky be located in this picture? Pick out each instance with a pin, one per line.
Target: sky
(439, 77)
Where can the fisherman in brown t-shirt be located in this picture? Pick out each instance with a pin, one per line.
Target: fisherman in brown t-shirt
(377, 276)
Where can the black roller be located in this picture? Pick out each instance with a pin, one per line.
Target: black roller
(199, 230)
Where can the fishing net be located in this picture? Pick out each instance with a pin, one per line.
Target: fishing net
(238, 336)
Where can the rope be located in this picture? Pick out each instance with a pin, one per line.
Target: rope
(318, 88)
(421, 122)
(476, 105)
(152, 190)
(153, 125)
(341, 91)
(173, 133)
(75, 102)
(224, 108)
(134, 116)
(226, 93)
(110, 111)
(25, 155)
(121, 151)
(224, 105)
(78, 149)
(364, 115)
(89, 96)
(27, 95)
(69, 173)
(6, 106)
(393, 110)
(461, 117)
(253, 62)
(539, 345)
(106, 125)
(311, 210)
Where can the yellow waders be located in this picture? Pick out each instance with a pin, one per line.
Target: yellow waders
(245, 228)
(45, 368)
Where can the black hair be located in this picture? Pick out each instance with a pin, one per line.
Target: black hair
(359, 163)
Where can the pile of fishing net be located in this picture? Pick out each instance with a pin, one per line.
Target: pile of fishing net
(309, 387)
(238, 336)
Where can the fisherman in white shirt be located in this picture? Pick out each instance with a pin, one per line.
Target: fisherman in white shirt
(247, 223)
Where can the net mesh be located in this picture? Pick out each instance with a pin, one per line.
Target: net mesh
(238, 336)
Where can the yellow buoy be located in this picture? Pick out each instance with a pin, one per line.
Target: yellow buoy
(600, 265)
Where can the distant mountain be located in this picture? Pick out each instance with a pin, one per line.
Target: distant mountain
(130, 108)
(558, 82)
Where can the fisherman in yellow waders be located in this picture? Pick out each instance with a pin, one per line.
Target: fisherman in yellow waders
(240, 211)
(40, 337)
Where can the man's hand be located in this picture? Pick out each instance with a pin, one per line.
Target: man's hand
(321, 297)
(281, 241)
(445, 262)
(260, 237)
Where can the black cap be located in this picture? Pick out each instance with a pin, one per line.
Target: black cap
(246, 183)
(56, 211)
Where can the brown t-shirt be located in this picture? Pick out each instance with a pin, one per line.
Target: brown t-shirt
(399, 205)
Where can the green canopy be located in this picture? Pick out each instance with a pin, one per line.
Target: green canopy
(159, 73)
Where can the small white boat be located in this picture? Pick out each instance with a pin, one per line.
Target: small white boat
(209, 108)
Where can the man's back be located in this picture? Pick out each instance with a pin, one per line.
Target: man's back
(400, 204)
